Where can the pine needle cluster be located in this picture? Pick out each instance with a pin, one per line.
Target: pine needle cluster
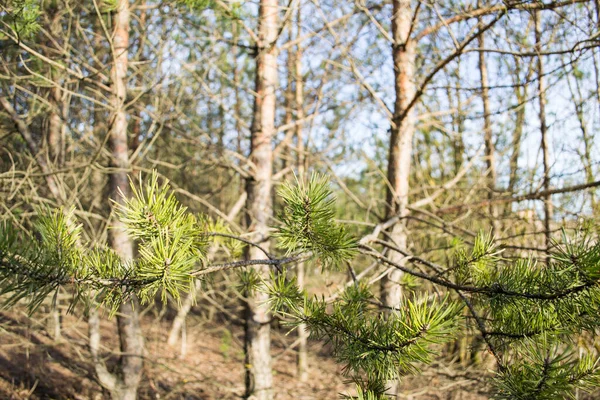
(172, 241)
(22, 16)
(533, 312)
(373, 348)
(35, 265)
(171, 246)
(308, 222)
(546, 370)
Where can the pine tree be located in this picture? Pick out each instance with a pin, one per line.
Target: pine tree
(529, 313)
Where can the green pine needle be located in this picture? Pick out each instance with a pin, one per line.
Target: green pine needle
(308, 223)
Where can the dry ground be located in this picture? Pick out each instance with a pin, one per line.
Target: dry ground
(33, 366)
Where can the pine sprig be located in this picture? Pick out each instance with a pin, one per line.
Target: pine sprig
(373, 349)
(22, 16)
(35, 265)
(172, 241)
(533, 313)
(545, 369)
(308, 225)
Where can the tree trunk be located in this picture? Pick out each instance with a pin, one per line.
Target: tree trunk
(488, 138)
(259, 379)
(548, 209)
(122, 385)
(399, 161)
(400, 142)
(458, 117)
(55, 138)
(130, 335)
(521, 95)
(300, 161)
(56, 127)
(586, 157)
(289, 98)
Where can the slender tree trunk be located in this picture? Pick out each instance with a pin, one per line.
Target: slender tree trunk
(122, 385)
(548, 211)
(458, 144)
(55, 138)
(401, 140)
(521, 95)
(402, 131)
(259, 379)
(238, 103)
(300, 162)
(586, 157)
(130, 336)
(56, 127)
(289, 98)
(488, 138)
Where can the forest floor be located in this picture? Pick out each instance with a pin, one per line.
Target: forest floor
(34, 366)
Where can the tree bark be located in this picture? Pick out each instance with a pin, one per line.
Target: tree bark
(122, 385)
(56, 134)
(55, 138)
(458, 118)
(488, 138)
(259, 379)
(301, 166)
(548, 209)
(399, 158)
(521, 95)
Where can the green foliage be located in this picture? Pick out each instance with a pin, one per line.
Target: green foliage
(533, 312)
(374, 348)
(110, 280)
(171, 247)
(35, 264)
(249, 281)
(197, 4)
(476, 265)
(108, 6)
(22, 16)
(365, 394)
(546, 370)
(171, 240)
(171, 243)
(524, 297)
(308, 222)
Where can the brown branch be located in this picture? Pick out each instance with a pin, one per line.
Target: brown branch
(504, 7)
(515, 199)
(24, 131)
